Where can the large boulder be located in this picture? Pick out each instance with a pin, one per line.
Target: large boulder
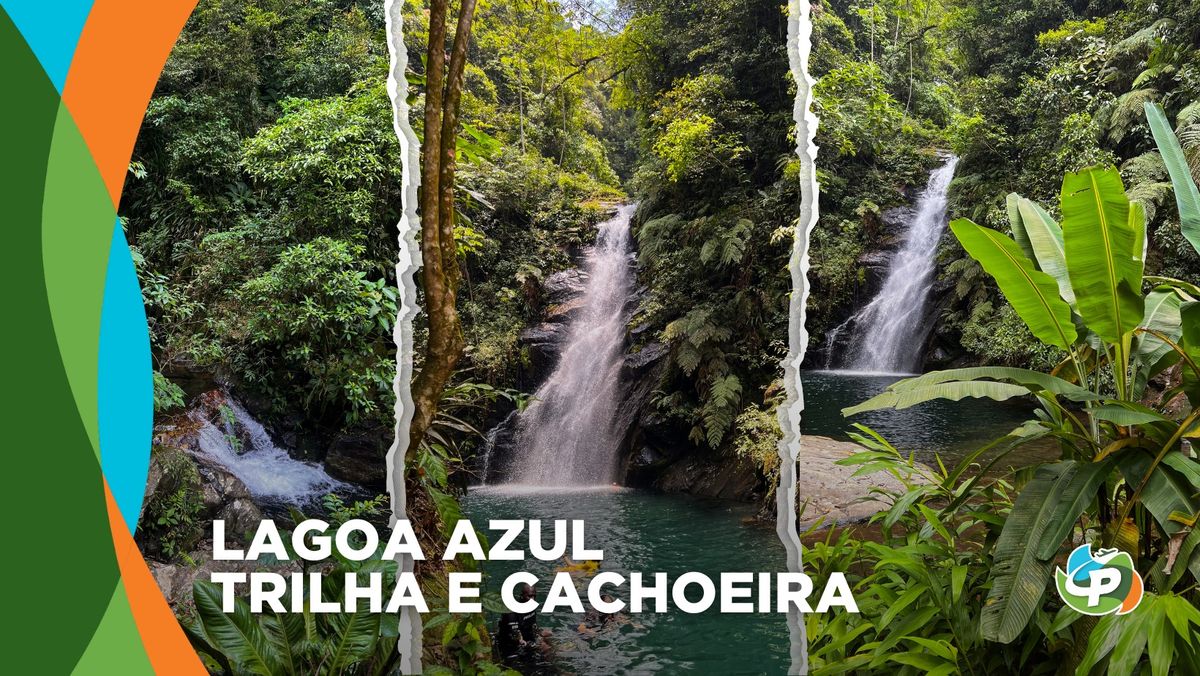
(197, 491)
(225, 497)
(713, 475)
(563, 286)
(825, 489)
(360, 457)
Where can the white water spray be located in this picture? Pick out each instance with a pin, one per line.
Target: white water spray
(567, 436)
(266, 469)
(890, 330)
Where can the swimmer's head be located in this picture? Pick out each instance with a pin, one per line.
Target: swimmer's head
(525, 592)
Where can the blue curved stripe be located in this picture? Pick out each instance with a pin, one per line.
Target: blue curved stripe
(52, 31)
(126, 389)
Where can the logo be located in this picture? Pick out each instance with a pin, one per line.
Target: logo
(1101, 583)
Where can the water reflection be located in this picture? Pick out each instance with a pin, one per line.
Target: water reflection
(948, 428)
(648, 532)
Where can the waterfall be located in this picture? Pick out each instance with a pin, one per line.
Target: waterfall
(567, 437)
(267, 470)
(888, 333)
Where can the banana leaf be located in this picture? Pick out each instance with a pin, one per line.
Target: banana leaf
(1102, 252)
(1187, 196)
(1124, 415)
(1162, 316)
(1187, 288)
(1189, 319)
(1046, 239)
(1034, 380)
(1012, 205)
(1168, 490)
(238, 634)
(1033, 293)
(1083, 489)
(1019, 572)
(953, 391)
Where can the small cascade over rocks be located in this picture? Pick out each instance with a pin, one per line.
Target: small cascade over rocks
(220, 433)
(568, 436)
(888, 333)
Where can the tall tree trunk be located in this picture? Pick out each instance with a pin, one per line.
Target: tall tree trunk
(439, 263)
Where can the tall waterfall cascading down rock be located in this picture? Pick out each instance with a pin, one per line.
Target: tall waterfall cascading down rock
(889, 332)
(567, 436)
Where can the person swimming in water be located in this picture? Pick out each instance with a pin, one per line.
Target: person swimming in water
(519, 640)
(595, 622)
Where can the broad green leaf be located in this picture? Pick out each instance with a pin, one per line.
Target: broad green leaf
(952, 391)
(1074, 497)
(958, 576)
(1046, 239)
(1034, 380)
(1167, 491)
(1162, 316)
(1032, 293)
(1132, 642)
(1160, 640)
(1019, 574)
(1187, 196)
(238, 634)
(1137, 223)
(1181, 613)
(1103, 256)
(1189, 341)
(1186, 287)
(1101, 641)
(1012, 205)
(1126, 415)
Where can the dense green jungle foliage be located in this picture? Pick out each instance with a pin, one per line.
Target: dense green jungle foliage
(1126, 478)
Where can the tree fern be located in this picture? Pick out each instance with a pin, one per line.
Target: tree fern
(727, 246)
(1127, 112)
(1146, 176)
(721, 407)
(1187, 130)
(657, 236)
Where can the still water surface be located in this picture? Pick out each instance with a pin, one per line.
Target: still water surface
(649, 532)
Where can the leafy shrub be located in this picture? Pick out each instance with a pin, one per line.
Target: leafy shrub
(315, 323)
(171, 519)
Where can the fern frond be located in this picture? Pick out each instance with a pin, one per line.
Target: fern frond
(1127, 112)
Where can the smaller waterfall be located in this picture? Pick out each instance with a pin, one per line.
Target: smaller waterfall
(890, 330)
(567, 436)
(267, 470)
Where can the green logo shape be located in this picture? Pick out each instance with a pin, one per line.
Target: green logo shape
(1099, 584)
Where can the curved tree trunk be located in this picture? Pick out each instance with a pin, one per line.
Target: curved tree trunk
(440, 272)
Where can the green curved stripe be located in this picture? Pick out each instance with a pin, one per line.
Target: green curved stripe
(111, 643)
(77, 218)
(62, 564)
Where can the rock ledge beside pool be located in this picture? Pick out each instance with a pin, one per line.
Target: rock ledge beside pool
(830, 490)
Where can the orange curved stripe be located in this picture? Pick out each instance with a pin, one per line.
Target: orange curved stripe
(1134, 597)
(121, 52)
(166, 646)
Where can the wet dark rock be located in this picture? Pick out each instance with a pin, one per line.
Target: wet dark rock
(712, 475)
(541, 346)
(875, 259)
(360, 457)
(563, 286)
(649, 354)
(546, 333)
(562, 313)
